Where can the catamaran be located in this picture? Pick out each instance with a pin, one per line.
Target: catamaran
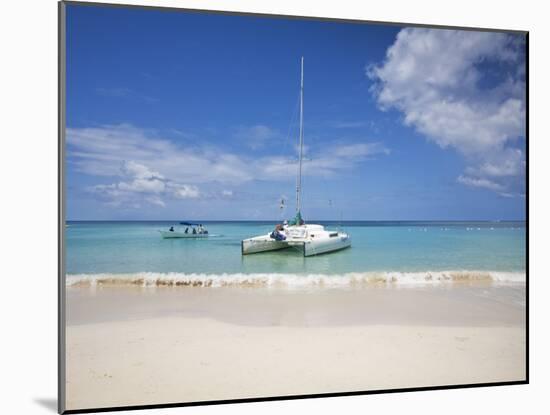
(311, 239)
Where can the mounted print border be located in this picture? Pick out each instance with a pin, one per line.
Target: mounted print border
(235, 224)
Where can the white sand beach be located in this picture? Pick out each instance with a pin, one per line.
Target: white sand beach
(139, 346)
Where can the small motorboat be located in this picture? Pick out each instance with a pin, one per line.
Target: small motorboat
(192, 230)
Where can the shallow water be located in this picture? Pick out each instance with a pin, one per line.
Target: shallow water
(128, 247)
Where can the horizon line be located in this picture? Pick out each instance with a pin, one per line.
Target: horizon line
(311, 221)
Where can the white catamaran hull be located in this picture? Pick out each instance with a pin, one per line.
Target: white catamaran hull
(321, 243)
(173, 235)
(261, 244)
(323, 246)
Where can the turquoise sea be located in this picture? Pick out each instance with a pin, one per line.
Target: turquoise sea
(497, 248)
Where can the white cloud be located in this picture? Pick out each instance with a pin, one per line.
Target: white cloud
(155, 200)
(139, 171)
(256, 136)
(150, 169)
(360, 150)
(476, 182)
(142, 155)
(144, 180)
(436, 79)
(184, 191)
(101, 151)
(142, 184)
(330, 161)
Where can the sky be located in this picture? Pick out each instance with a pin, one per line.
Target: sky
(190, 116)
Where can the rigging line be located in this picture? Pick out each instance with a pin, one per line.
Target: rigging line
(283, 149)
(334, 207)
(301, 148)
(292, 122)
(282, 152)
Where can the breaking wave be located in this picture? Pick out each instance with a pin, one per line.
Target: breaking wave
(155, 279)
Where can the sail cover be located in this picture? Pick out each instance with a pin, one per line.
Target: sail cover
(297, 220)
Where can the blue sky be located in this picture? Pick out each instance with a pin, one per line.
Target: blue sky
(174, 115)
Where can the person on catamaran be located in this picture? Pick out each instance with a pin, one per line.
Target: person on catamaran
(187, 230)
(277, 234)
(194, 231)
(171, 229)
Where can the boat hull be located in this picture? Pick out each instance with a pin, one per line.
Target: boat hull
(326, 245)
(308, 246)
(181, 235)
(261, 244)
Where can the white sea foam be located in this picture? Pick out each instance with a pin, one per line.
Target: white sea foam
(152, 279)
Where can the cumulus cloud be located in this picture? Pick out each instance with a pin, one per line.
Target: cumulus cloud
(139, 171)
(463, 90)
(142, 184)
(184, 191)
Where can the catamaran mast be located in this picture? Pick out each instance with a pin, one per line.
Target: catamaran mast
(299, 178)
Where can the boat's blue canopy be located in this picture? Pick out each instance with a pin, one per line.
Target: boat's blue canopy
(189, 224)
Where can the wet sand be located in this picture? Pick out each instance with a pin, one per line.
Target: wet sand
(139, 346)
